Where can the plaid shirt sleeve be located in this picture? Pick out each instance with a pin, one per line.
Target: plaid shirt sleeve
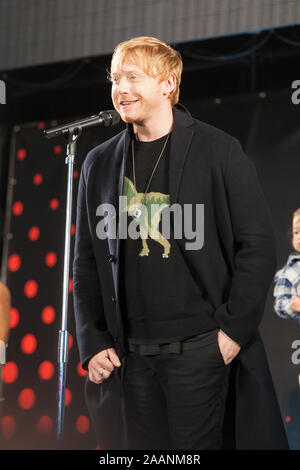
(283, 291)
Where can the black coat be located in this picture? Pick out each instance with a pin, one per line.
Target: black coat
(235, 266)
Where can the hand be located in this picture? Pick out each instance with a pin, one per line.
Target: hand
(295, 303)
(107, 360)
(229, 348)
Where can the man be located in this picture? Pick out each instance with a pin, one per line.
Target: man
(164, 326)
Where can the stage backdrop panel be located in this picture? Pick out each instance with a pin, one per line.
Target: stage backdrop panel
(35, 32)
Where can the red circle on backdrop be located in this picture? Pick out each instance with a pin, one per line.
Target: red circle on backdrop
(10, 372)
(41, 125)
(82, 424)
(21, 154)
(45, 425)
(68, 397)
(57, 149)
(31, 288)
(8, 425)
(26, 399)
(37, 179)
(50, 259)
(34, 233)
(288, 419)
(28, 344)
(81, 371)
(75, 174)
(70, 285)
(48, 314)
(17, 208)
(14, 318)
(73, 229)
(54, 203)
(46, 370)
(14, 262)
(70, 340)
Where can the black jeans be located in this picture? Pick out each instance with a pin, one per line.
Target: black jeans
(177, 400)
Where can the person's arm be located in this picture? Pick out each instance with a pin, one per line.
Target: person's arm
(5, 306)
(91, 330)
(255, 255)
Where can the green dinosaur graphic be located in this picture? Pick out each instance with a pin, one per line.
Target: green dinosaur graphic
(148, 227)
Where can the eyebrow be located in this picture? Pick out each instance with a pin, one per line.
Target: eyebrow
(126, 72)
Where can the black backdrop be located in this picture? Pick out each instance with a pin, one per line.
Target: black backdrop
(268, 127)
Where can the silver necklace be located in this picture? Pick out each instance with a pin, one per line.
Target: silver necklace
(138, 211)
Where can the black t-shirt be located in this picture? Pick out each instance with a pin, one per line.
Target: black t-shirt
(161, 299)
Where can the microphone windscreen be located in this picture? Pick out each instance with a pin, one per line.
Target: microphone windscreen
(115, 117)
(110, 117)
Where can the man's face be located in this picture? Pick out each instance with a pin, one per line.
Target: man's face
(296, 234)
(135, 95)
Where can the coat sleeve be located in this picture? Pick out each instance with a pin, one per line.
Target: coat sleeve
(91, 330)
(255, 249)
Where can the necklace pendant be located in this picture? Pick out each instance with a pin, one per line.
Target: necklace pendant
(137, 212)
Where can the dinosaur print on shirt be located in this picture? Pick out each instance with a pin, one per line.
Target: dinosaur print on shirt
(150, 206)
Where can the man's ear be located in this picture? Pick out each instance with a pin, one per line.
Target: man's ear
(169, 84)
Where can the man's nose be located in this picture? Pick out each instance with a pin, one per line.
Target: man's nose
(123, 86)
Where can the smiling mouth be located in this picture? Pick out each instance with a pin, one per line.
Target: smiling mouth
(125, 104)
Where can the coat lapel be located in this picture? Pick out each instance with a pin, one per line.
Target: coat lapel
(116, 247)
(112, 186)
(181, 139)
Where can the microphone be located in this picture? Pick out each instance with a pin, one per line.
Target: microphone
(103, 119)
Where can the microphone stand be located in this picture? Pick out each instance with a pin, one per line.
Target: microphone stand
(63, 340)
(71, 132)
